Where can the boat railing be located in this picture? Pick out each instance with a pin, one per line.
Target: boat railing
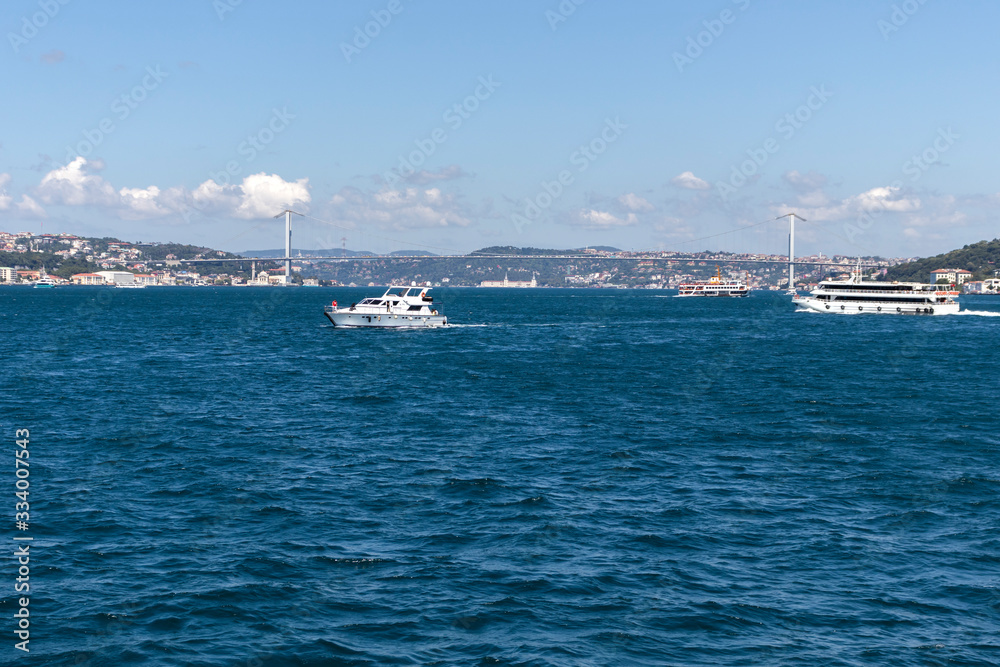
(836, 290)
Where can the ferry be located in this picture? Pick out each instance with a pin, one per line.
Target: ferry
(856, 295)
(715, 286)
(399, 307)
(44, 282)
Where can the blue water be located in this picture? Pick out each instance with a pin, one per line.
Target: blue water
(570, 477)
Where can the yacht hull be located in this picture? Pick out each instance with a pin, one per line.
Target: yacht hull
(343, 319)
(880, 308)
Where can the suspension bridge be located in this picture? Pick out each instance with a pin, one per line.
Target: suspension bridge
(620, 256)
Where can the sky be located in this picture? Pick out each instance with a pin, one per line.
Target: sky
(450, 126)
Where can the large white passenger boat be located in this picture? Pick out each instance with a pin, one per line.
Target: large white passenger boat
(399, 307)
(855, 295)
(714, 286)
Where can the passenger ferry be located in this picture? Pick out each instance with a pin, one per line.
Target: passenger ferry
(856, 295)
(399, 307)
(714, 286)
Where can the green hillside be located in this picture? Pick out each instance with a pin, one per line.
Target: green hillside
(981, 258)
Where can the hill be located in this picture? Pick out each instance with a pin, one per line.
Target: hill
(321, 252)
(513, 250)
(65, 255)
(982, 258)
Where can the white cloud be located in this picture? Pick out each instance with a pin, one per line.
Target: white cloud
(885, 199)
(689, 181)
(634, 202)
(5, 199)
(30, 207)
(808, 182)
(405, 208)
(424, 177)
(265, 195)
(214, 198)
(809, 187)
(594, 219)
(258, 196)
(142, 203)
(77, 185)
(889, 198)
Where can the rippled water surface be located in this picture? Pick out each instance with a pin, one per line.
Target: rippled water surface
(568, 477)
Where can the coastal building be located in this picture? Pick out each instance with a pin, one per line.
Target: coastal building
(145, 279)
(28, 276)
(510, 283)
(953, 276)
(117, 277)
(273, 277)
(988, 286)
(7, 275)
(87, 279)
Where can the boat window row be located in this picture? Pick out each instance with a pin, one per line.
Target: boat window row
(847, 287)
(873, 299)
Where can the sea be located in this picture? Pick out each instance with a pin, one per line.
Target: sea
(561, 477)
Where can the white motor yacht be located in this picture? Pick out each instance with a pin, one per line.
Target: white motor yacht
(399, 307)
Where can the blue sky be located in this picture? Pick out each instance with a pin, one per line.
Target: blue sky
(139, 120)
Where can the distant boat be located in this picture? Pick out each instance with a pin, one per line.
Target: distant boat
(45, 282)
(714, 286)
(130, 286)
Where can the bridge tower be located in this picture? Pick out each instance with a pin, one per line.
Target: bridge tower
(791, 248)
(288, 243)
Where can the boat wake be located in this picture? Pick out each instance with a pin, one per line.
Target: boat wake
(979, 313)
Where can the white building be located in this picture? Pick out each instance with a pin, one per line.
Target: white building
(509, 283)
(953, 276)
(117, 277)
(8, 275)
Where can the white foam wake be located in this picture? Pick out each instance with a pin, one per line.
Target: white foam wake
(979, 313)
